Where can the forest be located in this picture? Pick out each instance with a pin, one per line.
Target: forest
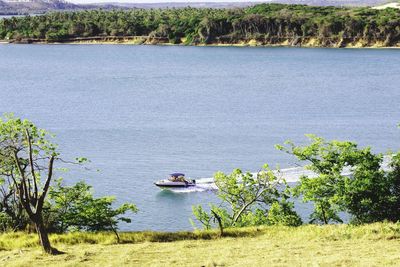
(263, 24)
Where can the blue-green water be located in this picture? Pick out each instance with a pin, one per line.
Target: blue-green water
(141, 112)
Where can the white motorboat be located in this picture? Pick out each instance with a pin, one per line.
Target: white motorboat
(176, 180)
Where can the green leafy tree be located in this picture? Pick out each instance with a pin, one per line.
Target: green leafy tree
(75, 208)
(282, 213)
(217, 216)
(347, 179)
(322, 192)
(246, 198)
(327, 162)
(394, 197)
(27, 159)
(370, 193)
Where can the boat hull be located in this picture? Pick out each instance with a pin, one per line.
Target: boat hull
(169, 184)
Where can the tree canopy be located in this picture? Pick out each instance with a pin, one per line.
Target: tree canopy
(264, 23)
(349, 179)
(249, 199)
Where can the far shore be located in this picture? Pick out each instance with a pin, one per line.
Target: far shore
(146, 40)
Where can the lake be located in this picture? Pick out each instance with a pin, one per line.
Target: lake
(141, 112)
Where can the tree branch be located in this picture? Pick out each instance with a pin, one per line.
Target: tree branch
(22, 190)
(28, 137)
(39, 205)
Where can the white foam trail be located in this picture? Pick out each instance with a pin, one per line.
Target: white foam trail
(291, 175)
(202, 185)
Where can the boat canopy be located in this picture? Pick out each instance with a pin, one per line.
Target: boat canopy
(177, 174)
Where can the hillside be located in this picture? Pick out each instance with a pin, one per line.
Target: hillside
(308, 245)
(34, 6)
(43, 6)
(227, 4)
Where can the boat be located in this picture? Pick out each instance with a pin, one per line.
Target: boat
(176, 180)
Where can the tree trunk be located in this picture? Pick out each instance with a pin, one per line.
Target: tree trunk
(324, 216)
(221, 228)
(44, 237)
(116, 234)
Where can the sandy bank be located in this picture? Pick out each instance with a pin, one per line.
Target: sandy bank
(308, 42)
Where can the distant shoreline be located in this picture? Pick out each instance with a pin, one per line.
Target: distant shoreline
(258, 25)
(146, 40)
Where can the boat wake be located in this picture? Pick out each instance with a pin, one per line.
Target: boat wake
(291, 175)
(202, 185)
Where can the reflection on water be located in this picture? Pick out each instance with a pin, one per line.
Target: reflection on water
(170, 195)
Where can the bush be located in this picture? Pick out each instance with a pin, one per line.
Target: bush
(282, 213)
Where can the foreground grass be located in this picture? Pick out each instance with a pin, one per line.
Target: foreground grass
(309, 245)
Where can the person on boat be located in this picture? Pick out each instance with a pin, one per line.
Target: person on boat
(178, 177)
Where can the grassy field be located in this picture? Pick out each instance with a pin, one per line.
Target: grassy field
(309, 245)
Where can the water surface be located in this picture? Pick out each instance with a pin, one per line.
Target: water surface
(141, 112)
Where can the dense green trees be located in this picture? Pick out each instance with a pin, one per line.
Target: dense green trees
(349, 179)
(264, 23)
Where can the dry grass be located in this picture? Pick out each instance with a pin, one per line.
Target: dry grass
(334, 245)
